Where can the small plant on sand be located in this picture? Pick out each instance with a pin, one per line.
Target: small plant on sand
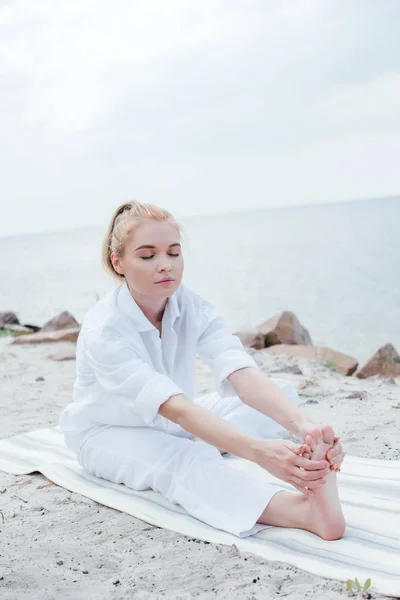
(354, 588)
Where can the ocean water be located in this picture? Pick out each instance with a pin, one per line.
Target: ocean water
(337, 266)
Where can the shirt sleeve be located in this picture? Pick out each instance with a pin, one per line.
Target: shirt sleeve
(222, 351)
(123, 374)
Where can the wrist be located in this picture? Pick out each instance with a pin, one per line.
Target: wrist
(296, 425)
(260, 451)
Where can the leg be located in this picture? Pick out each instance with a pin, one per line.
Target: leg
(192, 475)
(321, 514)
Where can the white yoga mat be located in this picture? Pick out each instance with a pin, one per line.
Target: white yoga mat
(369, 490)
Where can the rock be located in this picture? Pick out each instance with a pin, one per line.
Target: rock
(304, 383)
(63, 321)
(8, 318)
(60, 356)
(251, 339)
(64, 335)
(385, 363)
(284, 328)
(358, 396)
(340, 362)
(32, 327)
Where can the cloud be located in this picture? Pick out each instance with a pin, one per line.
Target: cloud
(194, 105)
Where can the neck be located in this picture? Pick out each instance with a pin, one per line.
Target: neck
(152, 308)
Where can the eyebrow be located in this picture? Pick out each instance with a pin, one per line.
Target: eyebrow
(154, 247)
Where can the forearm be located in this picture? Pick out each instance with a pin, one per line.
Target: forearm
(209, 427)
(255, 390)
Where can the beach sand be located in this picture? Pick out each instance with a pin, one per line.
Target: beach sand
(108, 554)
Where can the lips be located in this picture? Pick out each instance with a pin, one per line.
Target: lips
(166, 280)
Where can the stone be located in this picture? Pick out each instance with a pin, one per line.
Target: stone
(384, 363)
(61, 356)
(304, 383)
(344, 364)
(284, 328)
(251, 339)
(63, 321)
(358, 396)
(33, 328)
(8, 318)
(64, 335)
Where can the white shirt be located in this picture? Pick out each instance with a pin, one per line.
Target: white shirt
(125, 370)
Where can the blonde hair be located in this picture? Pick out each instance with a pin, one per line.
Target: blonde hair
(122, 223)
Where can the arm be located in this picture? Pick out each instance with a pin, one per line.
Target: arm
(235, 372)
(280, 457)
(124, 377)
(209, 427)
(254, 389)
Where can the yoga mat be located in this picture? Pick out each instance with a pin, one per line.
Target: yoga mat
(369, 490)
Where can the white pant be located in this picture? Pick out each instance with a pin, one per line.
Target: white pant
(192, 474)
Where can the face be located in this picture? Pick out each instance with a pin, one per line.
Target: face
(152, 261)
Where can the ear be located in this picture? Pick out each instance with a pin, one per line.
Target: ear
(116, 263)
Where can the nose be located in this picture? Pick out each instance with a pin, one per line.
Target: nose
(164, 265)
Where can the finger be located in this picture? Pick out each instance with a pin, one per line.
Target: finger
(311, 485)
(303, 490)
(301, 449)
(334, 451)
(309, 475)
(309, 464)
(337, 460)
(306, 455)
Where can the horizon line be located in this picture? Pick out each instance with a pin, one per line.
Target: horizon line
(216, 214)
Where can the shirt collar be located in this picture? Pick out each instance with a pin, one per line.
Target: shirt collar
(129, 308)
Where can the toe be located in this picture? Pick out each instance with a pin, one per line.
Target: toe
(328, 434)
(310, 441)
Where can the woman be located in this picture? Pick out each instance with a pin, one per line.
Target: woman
(134, 418)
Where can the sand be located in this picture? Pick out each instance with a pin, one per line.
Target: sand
(108, 554)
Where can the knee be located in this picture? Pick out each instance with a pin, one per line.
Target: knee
(198, 450)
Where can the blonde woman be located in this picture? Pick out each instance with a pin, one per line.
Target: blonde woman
(135, 419)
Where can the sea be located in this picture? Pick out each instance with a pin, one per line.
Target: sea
(336, 266)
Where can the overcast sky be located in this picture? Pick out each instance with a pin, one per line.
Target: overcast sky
(200, 106)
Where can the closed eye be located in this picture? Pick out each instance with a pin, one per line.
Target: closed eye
(149, 257)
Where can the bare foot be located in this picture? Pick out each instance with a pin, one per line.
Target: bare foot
(326, 516)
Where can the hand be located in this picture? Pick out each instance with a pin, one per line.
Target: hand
(310, 433)
(284, 460)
